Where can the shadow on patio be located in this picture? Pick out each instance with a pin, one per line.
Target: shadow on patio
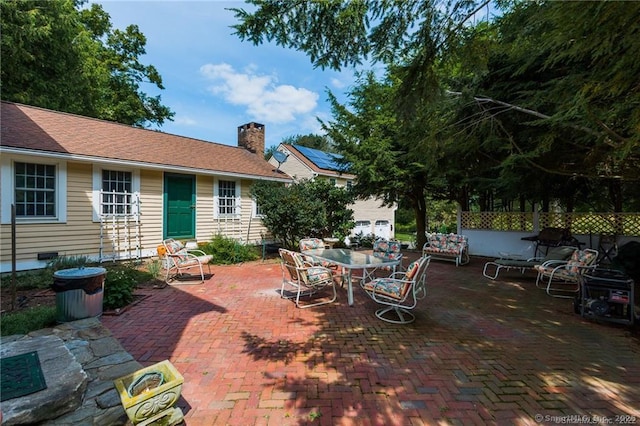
(479, 352)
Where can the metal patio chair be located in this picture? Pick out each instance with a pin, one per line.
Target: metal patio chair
(178, 259)
(306, 279)
(492, 269)
(399, 292)
(559, 277)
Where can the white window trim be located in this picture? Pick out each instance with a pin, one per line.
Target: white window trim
(7, 188)
(216, 200)
(97, 187)
(254, 209)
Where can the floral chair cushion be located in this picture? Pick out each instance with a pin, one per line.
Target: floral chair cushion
(569, 271)
(447, 243)
(387, 249)
(311, 244)
(179, 253)
(579, 259)
(394, 288)
(388, 287)
(318, 275)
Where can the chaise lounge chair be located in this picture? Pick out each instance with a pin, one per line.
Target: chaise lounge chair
(562, 253)
(562, 277)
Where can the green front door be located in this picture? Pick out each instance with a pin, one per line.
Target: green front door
(179, 206)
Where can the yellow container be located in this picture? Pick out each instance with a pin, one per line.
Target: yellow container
(145, 405)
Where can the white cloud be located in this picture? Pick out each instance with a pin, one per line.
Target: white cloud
(186, 121)
(266, 101)
(337, 83)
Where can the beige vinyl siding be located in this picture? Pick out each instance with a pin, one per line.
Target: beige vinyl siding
(252, 226)
(295, 168)
(208, 226)
(205, 223)
(78, 236)
(151, 211)
(370, 210)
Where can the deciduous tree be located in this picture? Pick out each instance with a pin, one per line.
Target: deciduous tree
(57, 54)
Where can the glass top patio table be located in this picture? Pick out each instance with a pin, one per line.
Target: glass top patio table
(350, 259)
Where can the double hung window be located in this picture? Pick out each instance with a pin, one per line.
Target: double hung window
(227, 193)
(35, 190)
(116, 192)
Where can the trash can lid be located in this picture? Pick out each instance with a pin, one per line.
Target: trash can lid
(79, 272)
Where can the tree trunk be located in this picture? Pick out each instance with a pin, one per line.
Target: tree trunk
(615, 194)
(420, 209)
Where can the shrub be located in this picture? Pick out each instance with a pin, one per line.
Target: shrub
(118, 287)
(304, 209)
(228, 251)
(68, 262)
(155, 268)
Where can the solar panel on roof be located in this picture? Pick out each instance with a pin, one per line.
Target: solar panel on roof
(323, 160)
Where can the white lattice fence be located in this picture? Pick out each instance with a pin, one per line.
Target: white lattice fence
(627, 224)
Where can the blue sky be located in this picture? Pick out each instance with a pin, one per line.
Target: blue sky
(214, 82)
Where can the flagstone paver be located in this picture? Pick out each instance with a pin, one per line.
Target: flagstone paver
(480, 352)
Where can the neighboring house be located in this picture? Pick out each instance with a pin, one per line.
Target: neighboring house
(307, 163)
(82, 186)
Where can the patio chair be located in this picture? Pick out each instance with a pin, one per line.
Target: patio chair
(305, 278)
(311, 244)
(389, 249)
(508, 263)
(399, 292)
(386, 249)
(178, 259)
(314, 244)
(559, 277)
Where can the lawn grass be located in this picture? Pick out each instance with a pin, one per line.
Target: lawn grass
(405, 237)
(27, 320)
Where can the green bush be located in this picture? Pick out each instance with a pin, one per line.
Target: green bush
(308, 208)
(118, 287)
(25, 321)
(227, 251)
(155, 268)
(29, 280)
(68, 262)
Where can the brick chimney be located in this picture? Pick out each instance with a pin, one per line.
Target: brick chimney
(251, 137)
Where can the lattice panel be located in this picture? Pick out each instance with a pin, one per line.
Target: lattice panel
(594, 223)
(627, 224)
(497, 221)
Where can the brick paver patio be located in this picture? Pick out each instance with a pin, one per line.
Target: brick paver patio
(480, 352)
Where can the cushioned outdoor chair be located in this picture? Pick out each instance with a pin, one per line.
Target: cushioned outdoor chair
(493, 268)
(178, 259)
(382, 249)
(399, 292)
(388, 249)
(306, 279)
(314, 244)
(561, 277)
(311, 244)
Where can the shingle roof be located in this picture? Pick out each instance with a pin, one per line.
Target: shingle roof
(39, 129)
